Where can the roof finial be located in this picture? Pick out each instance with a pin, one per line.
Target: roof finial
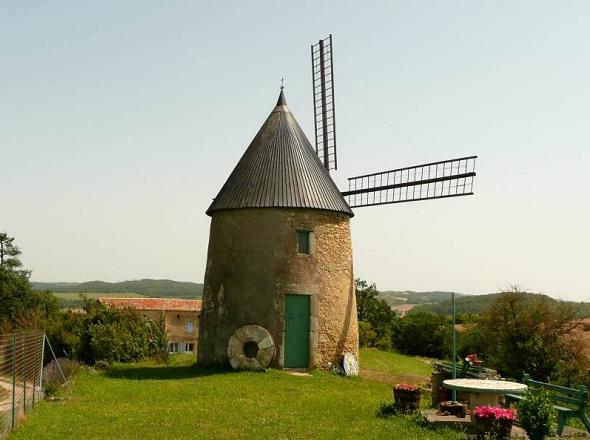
(282, 100)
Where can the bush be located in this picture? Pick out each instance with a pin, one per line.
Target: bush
(64, 332)
(124, 336)
(106, 335)
(535, 413)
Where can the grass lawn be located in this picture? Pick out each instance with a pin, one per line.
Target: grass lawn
(394, 367)
(179, 401)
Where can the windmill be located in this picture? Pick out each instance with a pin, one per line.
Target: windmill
(279, 283)
(435, 180)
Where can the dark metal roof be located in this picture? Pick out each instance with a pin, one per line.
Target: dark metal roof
(280, 168)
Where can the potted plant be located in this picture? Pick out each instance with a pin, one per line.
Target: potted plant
(407, 396)
(535, 414)
(494, 420)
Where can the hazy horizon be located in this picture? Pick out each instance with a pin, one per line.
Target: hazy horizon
(121, 121)
(380, 289)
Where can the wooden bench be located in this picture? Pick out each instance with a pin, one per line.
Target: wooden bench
(577, 399)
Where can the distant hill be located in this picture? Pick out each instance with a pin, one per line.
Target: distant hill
(479, 303)
(395, 297)
(67, 293)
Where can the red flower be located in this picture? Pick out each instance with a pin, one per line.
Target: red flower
(405, 387)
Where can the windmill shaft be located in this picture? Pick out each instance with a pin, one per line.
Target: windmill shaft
(408, 184)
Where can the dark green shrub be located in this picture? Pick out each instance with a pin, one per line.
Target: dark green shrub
(535, 414)
(125, 336)
(107, 335)
(64, 332)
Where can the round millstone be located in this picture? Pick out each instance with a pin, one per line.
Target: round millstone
(250, 333)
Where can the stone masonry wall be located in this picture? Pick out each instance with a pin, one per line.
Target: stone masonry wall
(252, 263)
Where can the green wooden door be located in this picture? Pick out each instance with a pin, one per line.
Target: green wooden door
(296, 331)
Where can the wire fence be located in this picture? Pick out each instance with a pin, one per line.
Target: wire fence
(21, 370)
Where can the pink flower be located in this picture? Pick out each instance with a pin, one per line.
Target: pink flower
(494, 413)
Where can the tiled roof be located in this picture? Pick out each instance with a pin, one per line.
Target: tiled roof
(280, 169)
(171, 304)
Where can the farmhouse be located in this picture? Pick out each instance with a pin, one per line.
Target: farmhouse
(181, 318)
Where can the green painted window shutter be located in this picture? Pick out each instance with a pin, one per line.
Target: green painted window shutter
(303, 242)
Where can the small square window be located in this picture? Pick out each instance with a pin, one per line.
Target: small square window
(303, 242)
(189, 347)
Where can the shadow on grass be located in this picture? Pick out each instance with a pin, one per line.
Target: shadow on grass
(164, 372)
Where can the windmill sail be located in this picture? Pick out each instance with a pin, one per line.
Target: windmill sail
(323, 102)
(436, 180)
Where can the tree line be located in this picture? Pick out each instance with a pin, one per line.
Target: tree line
(517, 333)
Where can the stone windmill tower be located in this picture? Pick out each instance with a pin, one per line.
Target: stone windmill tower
(278, 287)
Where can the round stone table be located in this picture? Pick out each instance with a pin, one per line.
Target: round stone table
(484, 392)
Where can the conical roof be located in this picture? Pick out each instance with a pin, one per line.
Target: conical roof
(280, 168)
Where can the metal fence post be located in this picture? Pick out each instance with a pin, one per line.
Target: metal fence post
(36, 339)
(13, 380)
(25, 373)
(42, 363)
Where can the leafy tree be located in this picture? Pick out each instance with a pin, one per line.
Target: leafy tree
(472, 339)
(529, 334)
(376, 312)
(14, 292)
(9, 253)
(367, 336)
(422, 333)
(20, 306)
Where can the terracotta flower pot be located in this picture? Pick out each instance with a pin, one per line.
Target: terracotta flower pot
(409, 400)
(499, 427)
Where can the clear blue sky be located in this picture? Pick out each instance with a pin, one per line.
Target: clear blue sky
(120, 121)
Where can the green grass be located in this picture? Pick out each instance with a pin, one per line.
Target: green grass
(179, 401)
(394, 363)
